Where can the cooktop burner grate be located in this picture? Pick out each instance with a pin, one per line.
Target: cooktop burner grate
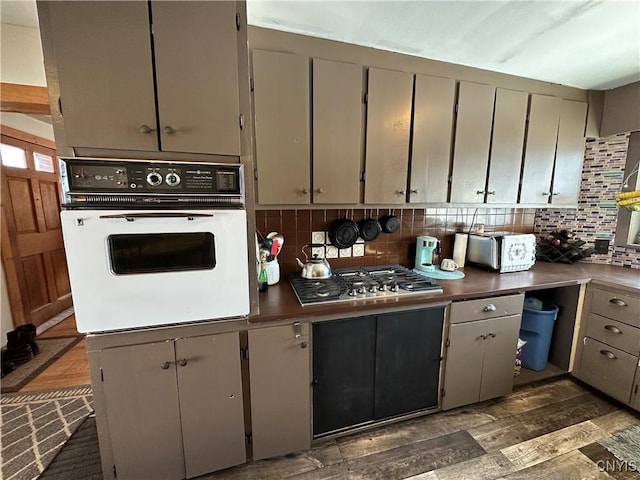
(348, 284)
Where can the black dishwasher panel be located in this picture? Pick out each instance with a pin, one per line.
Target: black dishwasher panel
(407, 362)
(343, 375)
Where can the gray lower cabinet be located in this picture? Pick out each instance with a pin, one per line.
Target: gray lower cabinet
(481, 350)
(174, 409)
(608, 353)
(125, 85)
(279, 360)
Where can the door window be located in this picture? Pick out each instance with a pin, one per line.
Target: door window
(161, 252)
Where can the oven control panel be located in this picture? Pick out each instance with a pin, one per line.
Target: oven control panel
(144, 177)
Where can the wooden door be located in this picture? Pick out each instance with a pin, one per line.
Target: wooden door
(408, 348)
(279, 364)
(281, 102)
(540, 149)
(337, 131)
(433, 109)
(635, 391)
(463, 368)
(211, 408)
(196, 62)
(104, 67)
(509, 120)
(499, 357)
(32, 248)
(143, 415)
(567, 172)
(473, 136)
(387, 145)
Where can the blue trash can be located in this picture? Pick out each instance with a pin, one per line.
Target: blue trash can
(536, 328)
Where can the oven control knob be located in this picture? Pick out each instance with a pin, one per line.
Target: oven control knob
(394, 287)
(373, 289)
(352, 292)
(172, 179)
(362, 289)
(154, 179)
(383, 288)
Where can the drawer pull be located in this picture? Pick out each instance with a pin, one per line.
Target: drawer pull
(613, 329)
(617, 301)
(489, 308)
(608, 354)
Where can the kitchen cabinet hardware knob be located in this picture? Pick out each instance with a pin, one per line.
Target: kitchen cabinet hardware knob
(483, 336)
(304, 191)
(303, 345)
(608, 354)
(479, 192)
(168, 130)
(145, 129)
(492, 192)
(555, 194)
(618, 302)
(492, 335)
(401, 192)
(546, 194)
(489, 308)
(319, 190)
(415, 190)
(166, 365)
(613, 329)
(183, 362)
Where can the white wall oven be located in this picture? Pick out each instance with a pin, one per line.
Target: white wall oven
(154, 243)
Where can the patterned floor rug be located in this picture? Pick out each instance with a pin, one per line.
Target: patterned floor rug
(51, 349)
(36, 425)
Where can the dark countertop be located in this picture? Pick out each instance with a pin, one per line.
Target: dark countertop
(280, 302)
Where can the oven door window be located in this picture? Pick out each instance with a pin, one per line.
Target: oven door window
(161, 252)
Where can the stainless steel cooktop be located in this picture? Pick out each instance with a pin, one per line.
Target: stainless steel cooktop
(349, 284)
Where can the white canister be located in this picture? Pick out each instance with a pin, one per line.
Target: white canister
(460, 249)
(273, 271)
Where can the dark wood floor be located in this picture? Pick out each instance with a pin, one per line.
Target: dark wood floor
(542, 431)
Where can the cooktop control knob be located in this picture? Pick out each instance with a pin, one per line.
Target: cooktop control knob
(362, 290)
(383, 288)
(352, 292)
(172, 179)
(154, 179)
(373, 289)
(394, 287)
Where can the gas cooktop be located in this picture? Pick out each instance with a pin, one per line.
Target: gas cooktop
(349, 284)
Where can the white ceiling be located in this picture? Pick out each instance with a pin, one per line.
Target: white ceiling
(590, 44)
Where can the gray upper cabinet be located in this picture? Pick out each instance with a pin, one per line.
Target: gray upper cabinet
(281, 102)
(337, 131)
(434, 102)
(105, 54)
(509, 120)
(569, 153)
(473, 137)
(540, 148)
(388, 126)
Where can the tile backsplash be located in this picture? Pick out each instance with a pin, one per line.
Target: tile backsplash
(301, 226)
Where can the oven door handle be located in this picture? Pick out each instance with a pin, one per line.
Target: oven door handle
(130, 217)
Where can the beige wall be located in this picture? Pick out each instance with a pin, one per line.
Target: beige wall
(21, 56)
(621, 111)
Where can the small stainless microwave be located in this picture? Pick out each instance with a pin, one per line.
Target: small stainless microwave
(502, 251)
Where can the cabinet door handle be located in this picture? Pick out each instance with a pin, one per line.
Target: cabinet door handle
(489, 308)
(304, 191)
(183, 362)
(546, 194)
(165, 365)
(168, 129)
(479, 192)
(618, 302)
(492, 335)
(319, 190)
(414, 190)
(613, 329)
(608, 354)
(401, 192)
(145, 129)
(483, 336)
(555, 194)
(492, 192)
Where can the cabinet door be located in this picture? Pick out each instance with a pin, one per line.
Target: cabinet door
(211, 408)
(280, 390)
(281, 102)
(343, 373)
(408, 347)
(433, 107)
(509, 120)
(196, 61)
(337, 131)
(473, 135)
(569, 153)
(499, 356)
(141, 394)
(104, 67)
(540, 148)
(463, 368)
(388, 125)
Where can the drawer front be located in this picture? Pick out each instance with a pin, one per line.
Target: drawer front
(614, 333)
(486, 308)
(608, 369)
(624, 308)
